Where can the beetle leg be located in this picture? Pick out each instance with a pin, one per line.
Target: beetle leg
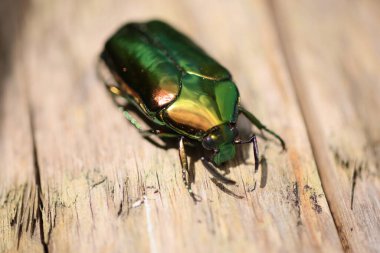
(148, 133)
(211, 168)
(261, 126)
(131, 119)
(159, 133)
(185, 168)
(252, 140)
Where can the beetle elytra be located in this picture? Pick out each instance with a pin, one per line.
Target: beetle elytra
(180, 89)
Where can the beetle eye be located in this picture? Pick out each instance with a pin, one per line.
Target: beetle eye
(209, 143)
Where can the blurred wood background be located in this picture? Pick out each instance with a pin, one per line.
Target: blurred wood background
(75, 176)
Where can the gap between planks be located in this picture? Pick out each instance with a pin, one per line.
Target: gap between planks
(37, 175)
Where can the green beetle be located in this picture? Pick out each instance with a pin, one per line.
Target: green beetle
(180, 89)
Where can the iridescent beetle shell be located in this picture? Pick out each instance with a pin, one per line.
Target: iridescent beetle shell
(173, 80)
(180, 88)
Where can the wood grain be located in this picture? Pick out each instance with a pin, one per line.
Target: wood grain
(19, 207)
(76, 177)
(338, 86)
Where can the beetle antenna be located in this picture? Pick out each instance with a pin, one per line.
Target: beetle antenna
(253, 140)
(211, 168)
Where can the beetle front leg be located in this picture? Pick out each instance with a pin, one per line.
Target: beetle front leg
(185, 168)
(261, 126)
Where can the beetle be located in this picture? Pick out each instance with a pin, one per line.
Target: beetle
(180, 89)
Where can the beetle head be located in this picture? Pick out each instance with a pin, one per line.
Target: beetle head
(220, 140)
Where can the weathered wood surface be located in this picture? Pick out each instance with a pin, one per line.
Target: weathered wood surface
(76, 177)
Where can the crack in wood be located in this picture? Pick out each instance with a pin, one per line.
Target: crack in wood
(37, 174)
(20, 220)
(123, 194)
(357, 173)
(22, 216)
(357, 167)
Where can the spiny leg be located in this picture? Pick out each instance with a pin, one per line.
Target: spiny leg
(132, 120)
(260, 125)
(185, 168)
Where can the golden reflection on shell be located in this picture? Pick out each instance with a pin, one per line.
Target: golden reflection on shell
(194, 114)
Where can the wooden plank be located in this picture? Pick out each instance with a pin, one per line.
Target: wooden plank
(333, 53)
(104, 188)
(20, 216)
(19, 213)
